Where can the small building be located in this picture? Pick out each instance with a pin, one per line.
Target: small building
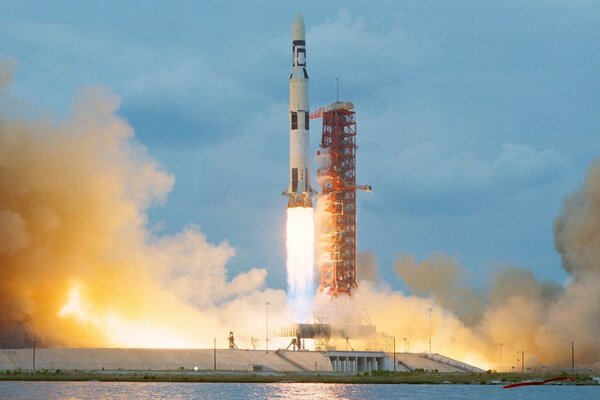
(359, 361)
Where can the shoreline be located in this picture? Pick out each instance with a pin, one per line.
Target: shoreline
(279, 377)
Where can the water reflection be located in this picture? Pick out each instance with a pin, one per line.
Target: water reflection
(315, 391)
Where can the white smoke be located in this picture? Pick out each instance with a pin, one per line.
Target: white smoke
(79, 265)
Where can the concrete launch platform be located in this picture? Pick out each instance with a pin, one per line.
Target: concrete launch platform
(225, 360)
(164, 359)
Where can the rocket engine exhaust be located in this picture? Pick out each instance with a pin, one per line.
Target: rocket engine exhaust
(300, 261)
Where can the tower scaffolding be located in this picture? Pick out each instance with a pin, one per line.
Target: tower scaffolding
(338, 273)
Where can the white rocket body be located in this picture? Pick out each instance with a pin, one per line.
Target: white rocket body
(299, 190)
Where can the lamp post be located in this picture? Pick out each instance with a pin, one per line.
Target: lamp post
(522, 353)
(394, 353)
(34, 353)
(572, 356)
(430, 310)
(268, 303)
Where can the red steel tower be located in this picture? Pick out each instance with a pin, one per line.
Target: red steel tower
(338, 182)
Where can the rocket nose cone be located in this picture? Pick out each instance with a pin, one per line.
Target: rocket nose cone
(299, 19)
(298, 27)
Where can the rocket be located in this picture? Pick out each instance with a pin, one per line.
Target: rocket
(299, 191)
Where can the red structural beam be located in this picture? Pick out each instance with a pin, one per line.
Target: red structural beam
(338, 273)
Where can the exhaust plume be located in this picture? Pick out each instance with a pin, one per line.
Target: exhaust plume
(444, 279)
(300, 243)
(79, 265)
(514, 312)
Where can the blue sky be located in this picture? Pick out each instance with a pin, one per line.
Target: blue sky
(475, 119)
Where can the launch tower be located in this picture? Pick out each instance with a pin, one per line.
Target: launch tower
(338, 181)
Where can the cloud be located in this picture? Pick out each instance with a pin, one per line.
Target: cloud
(346, 47)
(426, 169)
(186, 82)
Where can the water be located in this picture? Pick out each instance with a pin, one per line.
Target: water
(304, 391)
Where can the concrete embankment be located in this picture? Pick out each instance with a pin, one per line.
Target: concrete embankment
(164, 359)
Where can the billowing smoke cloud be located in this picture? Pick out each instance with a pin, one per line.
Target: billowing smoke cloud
(367, 268)
(78, 264)
(516, 312)
(322, 217)
(444, 279)
(577, 238)
(577, 230)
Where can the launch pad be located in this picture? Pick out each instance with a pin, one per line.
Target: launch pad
(323, 334)
(198, 360)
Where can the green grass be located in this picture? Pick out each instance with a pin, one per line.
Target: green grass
(377, 377)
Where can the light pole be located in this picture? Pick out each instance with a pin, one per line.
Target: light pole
(430, 310)
(215, 354)
(405, 349)
(572, 356)
(34, 353)
(522, 353)
(394, 353)
(268, 303)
